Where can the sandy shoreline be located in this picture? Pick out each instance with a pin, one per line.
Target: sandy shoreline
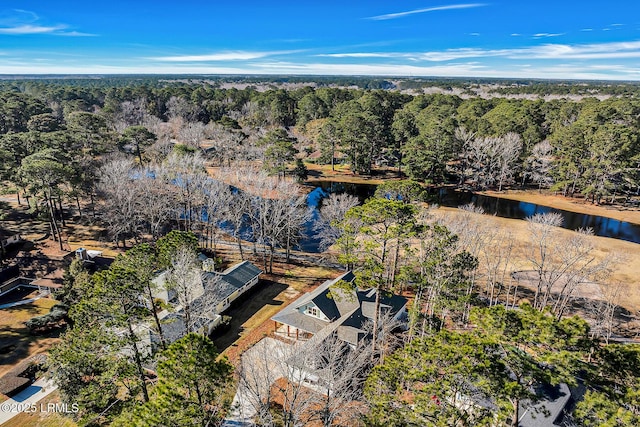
(620, 213)
(625, 256)
(544, 198)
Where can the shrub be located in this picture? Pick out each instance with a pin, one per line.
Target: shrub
(56, 318)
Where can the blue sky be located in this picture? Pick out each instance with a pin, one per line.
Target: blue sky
(520, 39)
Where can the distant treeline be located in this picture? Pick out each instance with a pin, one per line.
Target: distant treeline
(588, 146)
(467, 85)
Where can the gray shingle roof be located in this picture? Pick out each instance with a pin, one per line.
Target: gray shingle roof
(217, 287)
(240, 274)
(548, 410)
(352, 309)
(350, 334)
(220, 286)
(345, 300)
(387, 302)
(173, 327)
(291, 316)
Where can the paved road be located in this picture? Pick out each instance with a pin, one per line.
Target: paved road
(26, 400)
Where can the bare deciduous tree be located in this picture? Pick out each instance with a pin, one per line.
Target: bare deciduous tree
(315, 381)
(539, 164)
(270, 377)
(465, 139)
(603, 311)
(217, 199)
(541, 251)
(508, 150)
(560, 264)
(188, 174)
(495, 259)
(181, 109)
(186, 279)
(156, 201)
(341, 372)
(117, 185)
(491, 159)
(130, 113)
(191, 134)
(331, 213)
(225, 144)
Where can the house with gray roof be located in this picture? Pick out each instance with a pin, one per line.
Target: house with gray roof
(548, 411)
(336, 307)
(216, 293)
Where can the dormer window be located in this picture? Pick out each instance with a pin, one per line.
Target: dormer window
(313, 311)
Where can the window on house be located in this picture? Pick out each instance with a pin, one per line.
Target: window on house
(313, 311)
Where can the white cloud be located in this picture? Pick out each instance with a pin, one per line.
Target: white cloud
(585, 51)
(515, 34)
(365, 55)
(463, 53)
(34, 16)
(30, 29)
(587, 29)
(221, 56)
(613, 50)
(467, 69)
(74, 34)
(425, 10)
(544, 35)
(25, 22)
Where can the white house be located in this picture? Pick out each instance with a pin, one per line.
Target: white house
(331, 308)
(218, 291)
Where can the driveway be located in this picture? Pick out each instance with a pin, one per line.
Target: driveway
(262, 364)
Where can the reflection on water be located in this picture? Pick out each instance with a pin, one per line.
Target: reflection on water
(602, 226)
(361, 191)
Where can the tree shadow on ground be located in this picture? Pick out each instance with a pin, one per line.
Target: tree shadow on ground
(244, 308)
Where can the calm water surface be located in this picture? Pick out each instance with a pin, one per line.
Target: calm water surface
(602, 226)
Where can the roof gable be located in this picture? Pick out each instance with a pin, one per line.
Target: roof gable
(347, 310)
(322, 297)
(326, 305)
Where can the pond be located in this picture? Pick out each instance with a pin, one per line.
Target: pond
(602, 226)
(322, 189)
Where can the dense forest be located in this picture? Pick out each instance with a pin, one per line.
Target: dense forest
(588, 146)
(134, 155)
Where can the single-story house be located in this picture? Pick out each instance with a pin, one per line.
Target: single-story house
(219, 290)
(336, 306)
